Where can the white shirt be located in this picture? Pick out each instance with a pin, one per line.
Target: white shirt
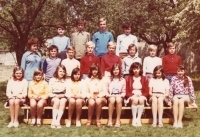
(150, 63)
(128, 61)
(159, 85)
(123, 41)
(70, 64)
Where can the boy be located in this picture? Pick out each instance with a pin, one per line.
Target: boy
(124, 40)
(151, 62)
(101, 38)
(130, 59)
(109, 60)
(50, 64)
(171, 61)
(61, 41)
(79, 39)
(70, 62)
(88, 59)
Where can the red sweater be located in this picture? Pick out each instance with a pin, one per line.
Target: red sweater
(170, 63)
(108, 60)
(129, 86)
(87, 61)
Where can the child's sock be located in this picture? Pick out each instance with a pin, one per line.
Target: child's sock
(154, 119)
(60, 113)
(134, 111)
(33, 121)
(160, 118)
(55, 113)
(140, 111)
(38, 121)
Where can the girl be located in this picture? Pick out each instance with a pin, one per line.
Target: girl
(158, 90)
(137, 83)
(57, 90)
(96, 91)
(37, 94)
(116, 88)
(75, 92)
(16, 92)
(31, 59)
(180, 88)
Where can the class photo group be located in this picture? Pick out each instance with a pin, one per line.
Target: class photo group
(95, 71)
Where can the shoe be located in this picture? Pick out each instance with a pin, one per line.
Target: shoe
(109, 124)
(117, 124)
(138, 121)
(154, 125)
(58, 126)
(180, 125)
(175, 125)
(98, 124)
(68, 124)
(78, 124)
(16, 124)
(134, 123)
(160, 124)
(31, 124)
(11, 124)
(39, 124)
(88, 123)
(53, 125)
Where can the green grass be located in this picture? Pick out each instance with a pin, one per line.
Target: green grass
(191, 123)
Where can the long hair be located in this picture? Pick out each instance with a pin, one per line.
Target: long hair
(135, 65)
(18, 68)
(159, 68)
(57, 69)
(75, 71)
(95, 66)
(113, 68)
(38, 71)
(186, 82)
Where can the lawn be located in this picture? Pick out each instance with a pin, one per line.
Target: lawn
(191, 125)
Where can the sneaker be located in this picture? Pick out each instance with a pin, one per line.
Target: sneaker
(180, 125)
(68, 124)
(78, 123)
(134, 123)
(175, 125)
(16, 124)
(139, 124)
(11, 124)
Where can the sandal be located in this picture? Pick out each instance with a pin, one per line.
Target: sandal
(160, 125)
(88, 123)
(98, 124)
(117, 124)
(154, 125)
(109, 124)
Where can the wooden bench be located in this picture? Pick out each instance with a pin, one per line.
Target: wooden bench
(103, 120)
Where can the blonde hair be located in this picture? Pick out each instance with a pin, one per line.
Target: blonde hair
(111, 44)
(171, 45)
(102, 19)
(71, 48)
(152, 47)
(38, 71)
(90, 43)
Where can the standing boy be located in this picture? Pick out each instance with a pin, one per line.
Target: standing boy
(79, 39)
(101, 38)
(61, 41)
(124, 40)
(151, 62)
(88, 59)
(171, 61)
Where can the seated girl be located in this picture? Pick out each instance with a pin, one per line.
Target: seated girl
(180, 88)
(16, 92)
(136, 83)
(159, 91)
(38, 95)
(75, 92)
(57, 90)
(116, 89)
(96, 92)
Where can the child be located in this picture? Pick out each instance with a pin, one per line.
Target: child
(37, 94)
(124, 40)
(50, 64)
(109, 59)
(151, 62)
(180, 88)
(61, 41)
(79, 38)
(75, 92)
(159, 91)
(116, 89)
(101, 38)
(88, 59)
(171, 61)
(57, 90)
(131, 58)
(16, 92)
(136, 83)
(70, 63)
(96, 91)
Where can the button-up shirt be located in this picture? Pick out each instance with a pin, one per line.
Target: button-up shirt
(56, 86)
(62, 42)
(150, 63)
(70, 64)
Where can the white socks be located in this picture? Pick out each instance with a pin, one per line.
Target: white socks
(55, 113)
(140, 111)
(60, 113)
(33, 121)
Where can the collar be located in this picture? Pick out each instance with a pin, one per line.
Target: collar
(80, 32)
(57, 80)
(35, 82)
(18, 79)
(29, 53)
(90, 55)
(110, 55)
(132, 57)
(124, 35)
(53, 58)
(102, 32)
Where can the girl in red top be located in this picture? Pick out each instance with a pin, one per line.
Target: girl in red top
(136, 83)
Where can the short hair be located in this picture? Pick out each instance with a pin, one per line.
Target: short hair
(126, 25)
(135, 65)
(32, 41)
(57, 69)
(75, 71)
(71, 48)
(113, 68)
(132, 46)
(111, 44)
(53, 47)
(152, 47)
(171, 45)
(95, 66)
(61, 27)
(38, 71)
(102, 19)
(90, 43)
(18, 68)
(80, 21)
(160, 68)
